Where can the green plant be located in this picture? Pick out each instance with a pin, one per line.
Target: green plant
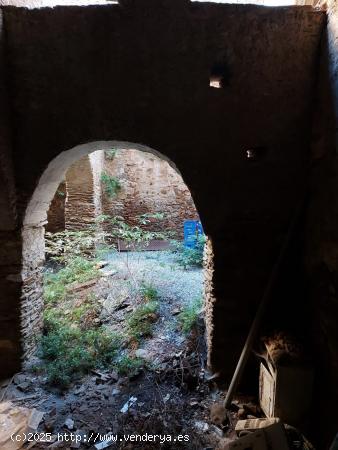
(134, 236)
(53, 290)
(103, 250)
(68, 351)
(148, 292)
(189, 315)
(140, 322)
(110, 154)
(147, 218)
(127, 366)
(66, 245)
(57, 284)
(190, 257)
(111, 184)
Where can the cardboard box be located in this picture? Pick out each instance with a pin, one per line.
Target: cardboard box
(285, 391)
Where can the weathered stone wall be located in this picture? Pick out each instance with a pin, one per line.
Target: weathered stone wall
(77, 200)
(56, 211)
(208, 293)
(33, 258)
(79, 208)
(148, 185)
(97, 164)
(140, 72)
(83, 200)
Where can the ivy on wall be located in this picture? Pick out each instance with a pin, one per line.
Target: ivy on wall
(111, 184)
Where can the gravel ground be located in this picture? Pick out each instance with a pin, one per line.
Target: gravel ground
(159, 269)
(176, 288)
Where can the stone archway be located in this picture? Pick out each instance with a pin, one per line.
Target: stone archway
(33, 250)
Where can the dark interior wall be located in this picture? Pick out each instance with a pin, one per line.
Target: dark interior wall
(10, 241)
(322, 230)
(139, 72)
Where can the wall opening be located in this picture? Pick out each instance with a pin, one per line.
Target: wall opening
(117, 307)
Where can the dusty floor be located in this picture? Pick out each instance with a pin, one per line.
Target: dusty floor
(170, 396)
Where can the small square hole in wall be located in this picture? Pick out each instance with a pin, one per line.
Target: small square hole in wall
(255, 153)
(219, 75)
(215, 82)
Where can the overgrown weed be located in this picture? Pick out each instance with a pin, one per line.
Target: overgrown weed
(78, 270)
(126, 365)
(140, 321)
(187, 257)
(188, 317)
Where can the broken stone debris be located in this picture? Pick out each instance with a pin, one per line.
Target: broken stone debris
(115, 391)
(128, 404)
(24, 387)
(201, 426)
(69, 423)
(79, 390)
(17, 420)
(101, 264)
(141, 353)
(79, 437)
(108, 273)
(218, 431)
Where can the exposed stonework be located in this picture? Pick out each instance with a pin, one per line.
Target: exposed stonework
(209, 298)
(97, 165)
(148, 185)
(31, 301)
(83, 200)
(56, 211)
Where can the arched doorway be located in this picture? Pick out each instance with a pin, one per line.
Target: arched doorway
(33, 267)
(33, 233)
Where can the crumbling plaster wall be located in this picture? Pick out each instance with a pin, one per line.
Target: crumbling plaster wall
(139, 71)
(148, 185)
